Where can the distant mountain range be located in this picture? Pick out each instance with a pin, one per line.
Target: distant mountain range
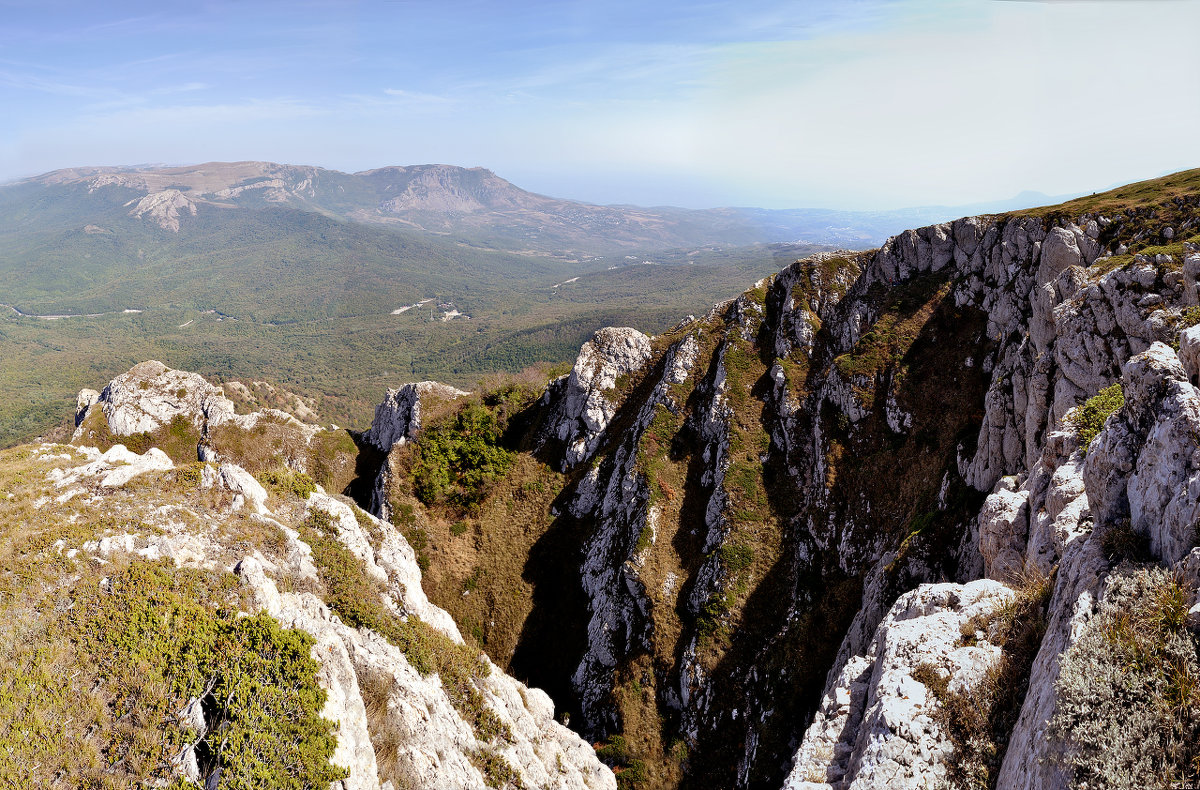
(334, 285)
(479, 208)
(310, 277)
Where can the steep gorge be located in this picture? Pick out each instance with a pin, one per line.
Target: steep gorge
(746, 496)
(865, 525)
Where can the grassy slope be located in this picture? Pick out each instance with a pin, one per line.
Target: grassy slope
(1142, 194)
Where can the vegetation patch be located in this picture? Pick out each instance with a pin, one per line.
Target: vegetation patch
(273, 440)
(283, 481)
(1088, 419)
(458, 459)
(1129, 689)
(387, 737)
(497, 771)
(887, 342)
(178, 438)
(616, 754)
(1190, 317)
(95, 701)
(332, 455)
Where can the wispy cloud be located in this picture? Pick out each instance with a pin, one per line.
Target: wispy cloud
(418, 97)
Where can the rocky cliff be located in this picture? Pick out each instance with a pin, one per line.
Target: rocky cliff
(921, 516)
(847, 529)
(373, 686)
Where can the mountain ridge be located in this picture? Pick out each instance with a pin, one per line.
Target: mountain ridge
(488, 210)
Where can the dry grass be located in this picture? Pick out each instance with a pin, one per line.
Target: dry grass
(1143, 194)
(485, 555)
(386, 736)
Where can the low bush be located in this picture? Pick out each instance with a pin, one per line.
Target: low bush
(457, 459)
(1128, 693)
(1088, 419)
(154, 637)
(284, 481)
(497, 772)
(616, 753)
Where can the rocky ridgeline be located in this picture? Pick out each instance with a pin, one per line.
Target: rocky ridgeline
(417, 722)
(819, 527)
(151, 396)
(910, 414)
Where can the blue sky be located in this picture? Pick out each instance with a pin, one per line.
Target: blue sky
(850, 104)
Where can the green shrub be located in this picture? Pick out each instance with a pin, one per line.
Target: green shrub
(615, 750)
(459, 458)
(403, 515)
(497, 772)
(737, 557)
(156, 640)
(631, 772)
(188, 475)
(632, 776)
(1089, 419)
(284, 481)
(1128, 693)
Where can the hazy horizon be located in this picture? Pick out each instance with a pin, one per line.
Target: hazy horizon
(861, 105)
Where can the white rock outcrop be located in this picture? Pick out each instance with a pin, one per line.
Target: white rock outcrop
(150, 396)
(876, 726)
(580, 409)
(115, 467)
(163, 208)
(398, 416)
(247, 492)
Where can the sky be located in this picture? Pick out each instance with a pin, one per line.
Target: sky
(851, 104)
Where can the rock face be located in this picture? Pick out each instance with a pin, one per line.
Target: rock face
(876, 725)
(150, 395)
(164, 208)
(1145, 466)
(398, 416)
(1139, 475)
(183, 412)
(397, 422)
(435, 745)
(582, 409)
(858, 426)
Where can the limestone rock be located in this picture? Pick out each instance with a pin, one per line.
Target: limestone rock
(243, 484)
(84, 401)
(164, 208)
(398, 416)
(580, 408)
(115, 467)
(1189, 353)
(1145, 465)
(1004, 529)
(876, 727)
(150, 395)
